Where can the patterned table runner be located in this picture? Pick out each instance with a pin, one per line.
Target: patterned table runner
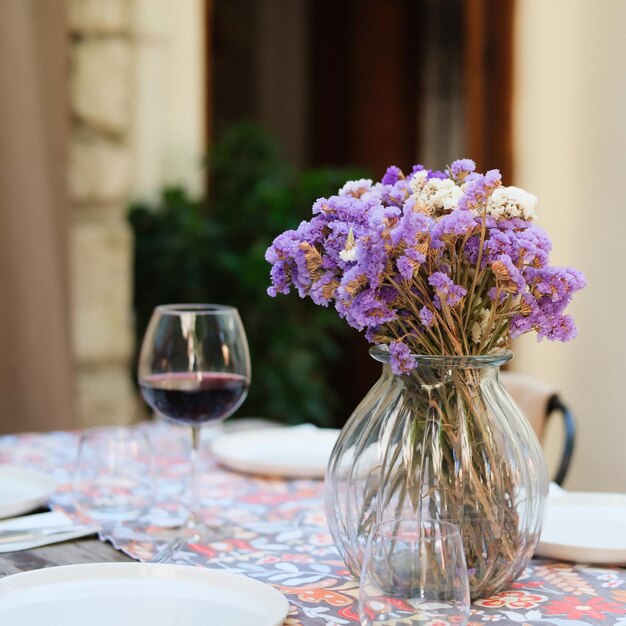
(279, 536)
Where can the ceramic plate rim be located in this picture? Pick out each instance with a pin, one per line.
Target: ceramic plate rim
(66, 574)
(223, 444)
(613, 555)
(28, 502)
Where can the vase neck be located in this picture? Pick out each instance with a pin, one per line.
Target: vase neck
(450, 362)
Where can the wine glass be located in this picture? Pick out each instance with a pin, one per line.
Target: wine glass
(194, 368)
(414, 569)
(113, 477)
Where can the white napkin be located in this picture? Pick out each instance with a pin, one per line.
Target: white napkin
(42, 520)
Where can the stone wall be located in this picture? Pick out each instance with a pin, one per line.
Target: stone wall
(100, 177)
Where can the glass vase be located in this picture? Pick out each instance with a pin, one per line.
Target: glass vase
(445, 442)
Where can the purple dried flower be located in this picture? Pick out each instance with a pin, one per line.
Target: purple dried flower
(323, 290)
(401, 359)
(561, 328)
(437, 174)
(399, 193)
(368, 310)
(443, 285)
(478, 190)
(494, 293)
(557, 283)
(440, 281)
(426, 316)
(534, 246)
(411, 228)
(508, 277)
(454, 224)
(471, 250)
(519, 326)
(500, 243)
(415, 169)
(392, 175)
(389, 255)
(371, 256)
(461, 168)
(280, 280)
(455, 295)
(281, 255)
(406, 267)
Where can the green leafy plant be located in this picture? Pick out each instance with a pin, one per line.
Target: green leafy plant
(212, 250)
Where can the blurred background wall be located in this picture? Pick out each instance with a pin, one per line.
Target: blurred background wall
(101, 56)
(36, 362)
(570, 150)
(143, 89)
(138, 96)
(170, 95)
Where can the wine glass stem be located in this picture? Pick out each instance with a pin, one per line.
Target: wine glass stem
(193, 520)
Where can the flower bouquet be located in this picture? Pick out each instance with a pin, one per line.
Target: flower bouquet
(431, 263)
(441, 270)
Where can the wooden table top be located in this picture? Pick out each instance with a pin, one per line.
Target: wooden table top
(66, 553)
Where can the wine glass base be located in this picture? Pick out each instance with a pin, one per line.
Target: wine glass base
(175, 540)
(204, 534)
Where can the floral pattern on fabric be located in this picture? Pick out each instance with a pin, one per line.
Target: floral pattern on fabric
(278, 535)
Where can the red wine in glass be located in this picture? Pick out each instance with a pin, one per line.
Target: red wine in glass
(194, 368)
(194, 397)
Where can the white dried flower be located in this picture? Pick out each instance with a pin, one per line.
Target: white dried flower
(356, 188)
(348, 255)
(480, 325)
(418, 180)
(440, 196)
(373, 193)
(509, 202)
(349, 250)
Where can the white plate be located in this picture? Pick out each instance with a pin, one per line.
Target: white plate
(22, 490)
(296, 452)
(585, 527)
(130, 594)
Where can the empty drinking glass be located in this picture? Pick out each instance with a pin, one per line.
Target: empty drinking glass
(414, 569)
(113, 478)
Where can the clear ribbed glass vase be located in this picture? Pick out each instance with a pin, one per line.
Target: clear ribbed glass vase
(444, 442)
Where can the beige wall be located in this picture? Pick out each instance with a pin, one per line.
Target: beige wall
(137, 100)
(100, 171)
(570, 136)
(169, 98)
